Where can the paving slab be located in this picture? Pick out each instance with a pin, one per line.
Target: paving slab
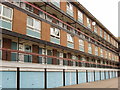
(110, 83)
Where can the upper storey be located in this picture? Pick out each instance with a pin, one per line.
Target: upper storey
(73, 17)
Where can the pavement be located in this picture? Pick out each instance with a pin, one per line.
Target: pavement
(110, 83)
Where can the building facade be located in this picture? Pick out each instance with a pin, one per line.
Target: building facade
(52, 44)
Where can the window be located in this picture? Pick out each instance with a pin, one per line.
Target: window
(88, 23)
(27, 57)
(105, 35)
(80, 16)
(89, 48)
(101, 52)
(55, 35)
(69, 38)
(96, 50)
(33, 27)
(6, 14)
(56, 2)
(27, 48)
(95, 29)
(81, 45)
(106, 55)
(108, 38)
(69, 9)
(117, 45)
(70, 41)
(101, 32)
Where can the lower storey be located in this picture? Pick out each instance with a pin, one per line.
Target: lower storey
(50, 76)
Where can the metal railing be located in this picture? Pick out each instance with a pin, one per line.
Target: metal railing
(46, 59)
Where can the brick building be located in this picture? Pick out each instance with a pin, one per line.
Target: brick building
(63, 40)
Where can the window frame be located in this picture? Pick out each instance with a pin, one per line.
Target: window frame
(90, 48)
(88, 22)
(33, 27)
(54, 34)
(71, 37)
(101, 32)
(1, 14)
(4, 18)
(81, 45)
(96, 50)
(69, 9)
(105, 35)
(80, 17)
(95, 29)
(101, 52)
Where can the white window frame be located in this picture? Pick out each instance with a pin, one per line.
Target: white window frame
(101, 32)
(4, 18)
(70, 38)
(101, 52)
(80, 16)
(88, 22)
(96, 50)
(105, 34)
(90, 48)
(81, 45)
(33, 28)
(95, 29)
(70, 7)
(54, 34)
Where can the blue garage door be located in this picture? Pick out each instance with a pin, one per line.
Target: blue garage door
(97, 76)
(70, 78)
(90, 76)
(54, 79)
(82, 77)
(110, 74)
(31, 80)
(107, 77)
(8, 79)
(116, 74)
(102, 75)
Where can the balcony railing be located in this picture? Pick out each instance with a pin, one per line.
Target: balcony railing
(22, 56)
(51, 18)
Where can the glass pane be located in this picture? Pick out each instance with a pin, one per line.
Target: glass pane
(69, 38)
(14, 46)
(32, 33)
(37, 24)
(49, 52)
(30, 21)
(13, 56)
(70, 45)
(27, 58)
(7, 12)
(27, 48)
(6, 24)
(55, 40)
(56, 2)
